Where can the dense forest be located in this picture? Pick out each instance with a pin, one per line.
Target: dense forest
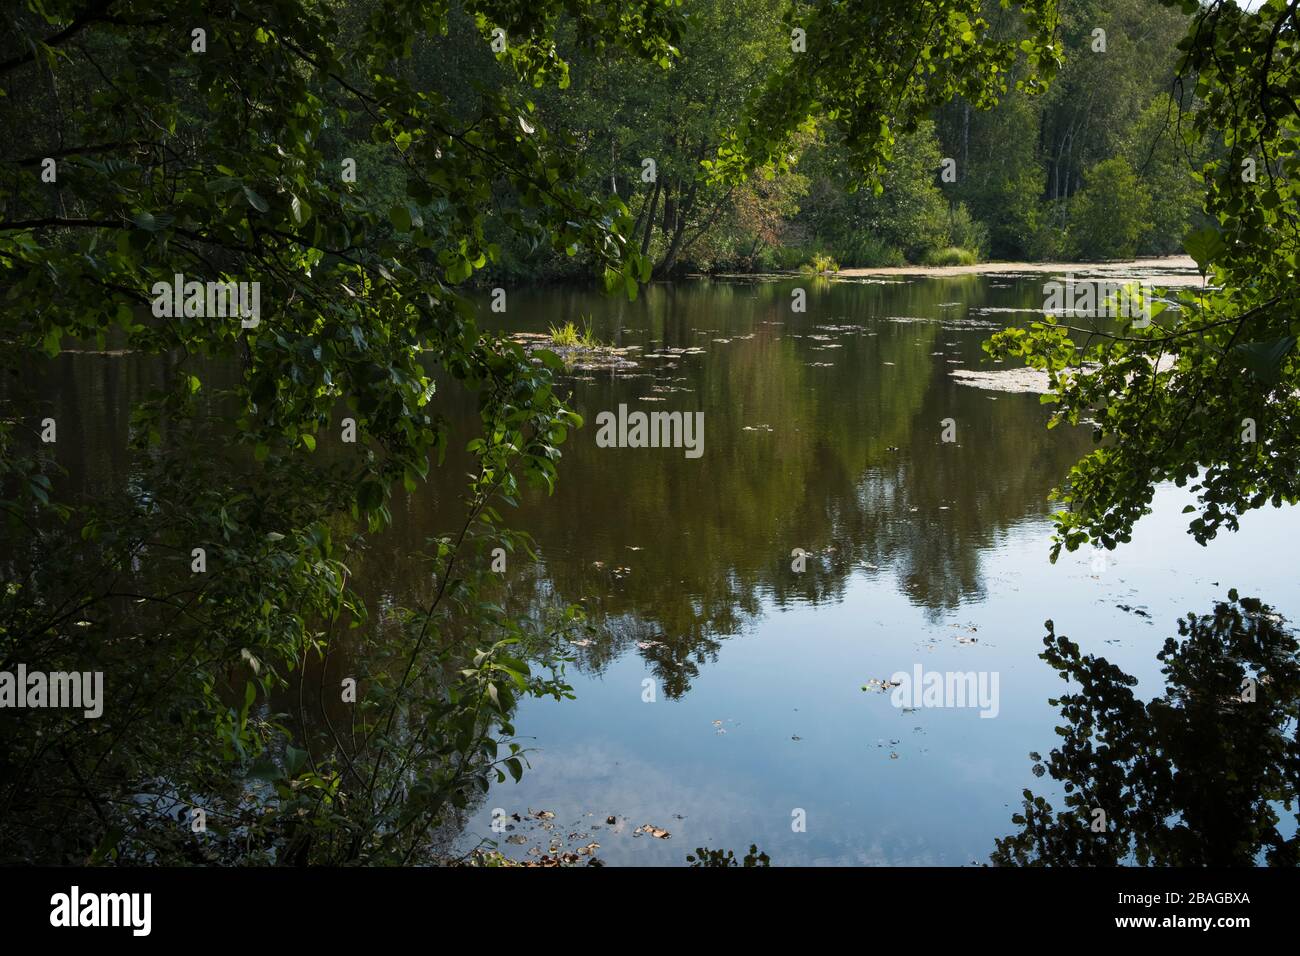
(369, 167)
(1096, 168)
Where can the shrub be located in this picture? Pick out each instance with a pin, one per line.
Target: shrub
(951, 256)
(870, 252)
(1111, 213)
(821, 262)
(966, 232)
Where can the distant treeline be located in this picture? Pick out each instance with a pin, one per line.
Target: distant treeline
(1095, 169)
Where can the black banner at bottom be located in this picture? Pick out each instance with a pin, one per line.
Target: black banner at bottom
(366, 905)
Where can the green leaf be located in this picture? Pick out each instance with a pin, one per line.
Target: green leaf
(550, 359)
(254, 200)
(1205, 246)
(1264, 359)
(459, 270)
(294, 759)
(370, 495)
(222, 184)
(151, 223)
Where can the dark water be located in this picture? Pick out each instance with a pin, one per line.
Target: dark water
(822, 432)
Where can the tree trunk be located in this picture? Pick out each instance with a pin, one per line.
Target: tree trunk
(965, 139)
(650, 219)
(681, 212)
(670, 208)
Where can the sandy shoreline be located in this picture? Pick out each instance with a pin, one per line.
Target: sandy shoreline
(1165, 270)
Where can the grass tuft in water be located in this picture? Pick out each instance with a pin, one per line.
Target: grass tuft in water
(570, 336)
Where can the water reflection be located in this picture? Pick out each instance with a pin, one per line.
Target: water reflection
(1206, 774)
(823, 432)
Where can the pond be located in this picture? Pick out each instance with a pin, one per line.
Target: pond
(859, 509)
(823, 432)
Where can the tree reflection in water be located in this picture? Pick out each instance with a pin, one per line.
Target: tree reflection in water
(1204, 775)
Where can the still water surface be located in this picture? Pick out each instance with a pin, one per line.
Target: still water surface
(822, 432)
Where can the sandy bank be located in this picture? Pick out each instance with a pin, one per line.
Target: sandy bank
(1166, 270)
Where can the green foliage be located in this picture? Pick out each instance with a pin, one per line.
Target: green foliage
(910, 214)
(761, 227)
(965, 232)
(1022, 163)
(819, 264)
(867, 251)
(873, 91)
(951, 256)
(230, 165)
(569, 335)
(1209, 394)
(1163, 162)
(1002, 172)
(621, 112)
(1110, 215)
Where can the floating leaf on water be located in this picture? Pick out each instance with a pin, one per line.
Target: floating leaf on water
(876, 684)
